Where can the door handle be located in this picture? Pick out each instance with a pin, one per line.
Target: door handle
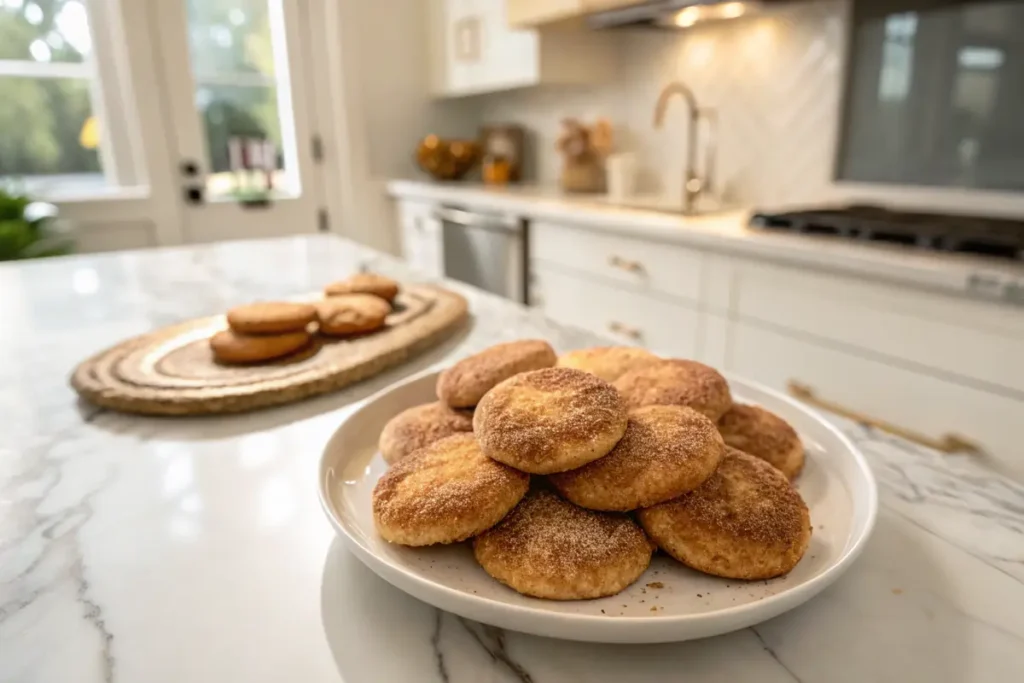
(467, 219)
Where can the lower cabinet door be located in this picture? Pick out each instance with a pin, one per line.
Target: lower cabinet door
(929, 406)
(627, 318)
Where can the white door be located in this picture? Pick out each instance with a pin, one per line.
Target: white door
(233, 77)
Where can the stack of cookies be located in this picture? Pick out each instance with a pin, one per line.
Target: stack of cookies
(273, 330)
(569, 472)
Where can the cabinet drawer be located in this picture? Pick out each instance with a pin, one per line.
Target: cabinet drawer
(642, 265)
(957, 338)
(623, 315)
(919, 402)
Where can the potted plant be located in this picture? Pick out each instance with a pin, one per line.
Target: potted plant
(28, 228)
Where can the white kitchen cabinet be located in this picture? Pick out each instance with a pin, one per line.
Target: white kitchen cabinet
(968, 341)
(664, 326)
(640, 265)
(928, 363)
(474, 50)
(421, 238)
(538, 12)
(912, 400)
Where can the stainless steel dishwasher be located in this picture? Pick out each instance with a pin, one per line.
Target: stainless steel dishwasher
(486, 250)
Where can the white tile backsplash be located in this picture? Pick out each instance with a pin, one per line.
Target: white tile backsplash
(775, 80)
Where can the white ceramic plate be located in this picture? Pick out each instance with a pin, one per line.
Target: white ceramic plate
(669, 603)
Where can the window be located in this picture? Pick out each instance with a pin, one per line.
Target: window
(234, 46)
(48, 124)
(935, 97)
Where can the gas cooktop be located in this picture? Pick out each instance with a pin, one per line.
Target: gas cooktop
(992, 237)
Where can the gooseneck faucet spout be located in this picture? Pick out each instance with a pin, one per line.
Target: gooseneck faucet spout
(693, 185)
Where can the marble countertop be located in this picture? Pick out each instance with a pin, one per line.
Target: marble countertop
(728, 232)
(148, 550)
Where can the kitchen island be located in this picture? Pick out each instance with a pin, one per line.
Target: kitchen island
(157, 550)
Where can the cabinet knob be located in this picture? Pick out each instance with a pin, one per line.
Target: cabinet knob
(625, 330)
(625, 264)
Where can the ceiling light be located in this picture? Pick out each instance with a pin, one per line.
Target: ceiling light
(731, 10)
(687, 17)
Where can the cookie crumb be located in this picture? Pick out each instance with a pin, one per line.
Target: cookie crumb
(897, 591)
(699, 595)
(654, 609)
(655, 584)
(602, 611)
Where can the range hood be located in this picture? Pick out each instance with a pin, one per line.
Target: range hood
(670, 13)
(684, 13)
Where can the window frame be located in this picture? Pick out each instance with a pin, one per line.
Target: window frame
(104, 72)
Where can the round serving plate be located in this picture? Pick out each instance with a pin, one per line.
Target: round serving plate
(669, 603)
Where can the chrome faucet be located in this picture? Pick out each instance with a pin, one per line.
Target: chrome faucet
(693, 185)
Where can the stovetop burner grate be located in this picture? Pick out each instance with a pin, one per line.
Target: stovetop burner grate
(992, 237)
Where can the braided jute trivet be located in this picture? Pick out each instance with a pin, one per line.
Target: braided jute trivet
(172, 371)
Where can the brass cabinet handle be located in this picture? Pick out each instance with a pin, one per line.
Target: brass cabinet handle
(625, 264)
(625, 330)
(947, 443)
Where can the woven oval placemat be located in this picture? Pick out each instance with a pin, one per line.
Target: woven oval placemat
(172, 371)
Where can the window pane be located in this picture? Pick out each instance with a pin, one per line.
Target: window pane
(44, 30)
(246, 115)
(46, 127)
(936, 97)
(230, 36)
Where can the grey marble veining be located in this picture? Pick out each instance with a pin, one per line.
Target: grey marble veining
(150, 550)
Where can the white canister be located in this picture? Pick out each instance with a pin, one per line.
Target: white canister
(621, 172)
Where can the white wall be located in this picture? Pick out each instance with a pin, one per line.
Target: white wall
(384, 74)
(774, 79)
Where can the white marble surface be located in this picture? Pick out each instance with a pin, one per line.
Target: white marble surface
(727, 232)
(150, 550)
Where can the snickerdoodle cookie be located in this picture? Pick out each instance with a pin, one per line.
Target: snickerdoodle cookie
(364, 283)
(230, 347)
(550, 420)
(351, 314)
(745, 522)
(549, 548)
(419, 426)
(607, 362)
(445, 493)
(677, 382)
(665, 452)
(765, 435)
(465, 383)
(271, 317)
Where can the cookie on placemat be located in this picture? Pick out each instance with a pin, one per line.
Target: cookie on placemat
(549, 548)
(550, 420)
(745, 522)
(666, 451)
(444, 493)
(607, 362)
(231, 347)
(465, 383)
(677, 382)
(364, 283)
(420, 426)
(765, 435)
(271, 317)
(352, 314)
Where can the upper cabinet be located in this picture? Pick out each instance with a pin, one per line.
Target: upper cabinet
(474, 50)
(522, 13)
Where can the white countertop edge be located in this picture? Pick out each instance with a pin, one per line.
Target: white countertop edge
(726, 232)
